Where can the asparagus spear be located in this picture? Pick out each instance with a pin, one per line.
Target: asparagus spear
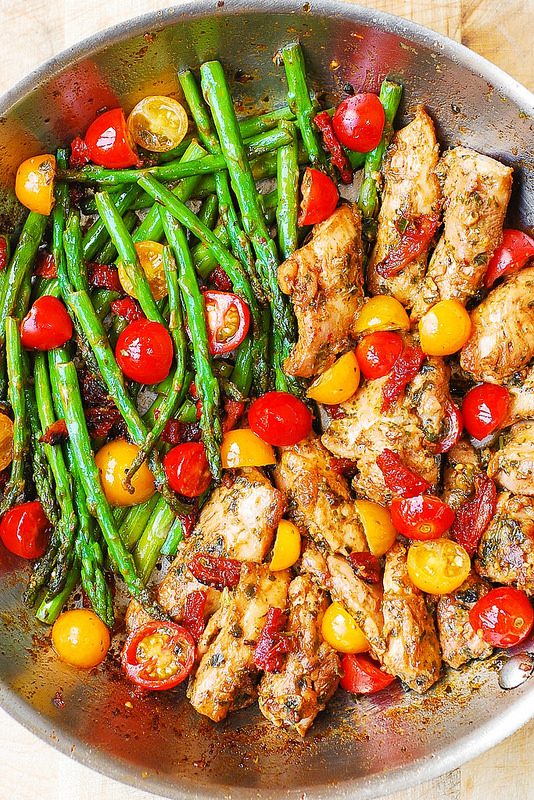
(300, 101)
(287, 193)
(72, 243)
(136, 521)
(109, 252)
(209, 211)
(97, 235)
(14, 491)
(51, 605)
(153, 538)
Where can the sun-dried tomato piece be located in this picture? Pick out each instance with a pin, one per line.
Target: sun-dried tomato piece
(188, 522)
(273, 643)
(415, 236)
(101, 419)
(220, 280)
(474, 516)
(55, 433)
(195, 605)
(215, 570)
(93, 392)
(46, 266)
(104, 276)
(176, 432)
(336, 412)
(399, 479)
(4, 250)
(366, 566)
(333, 145)
(344, 466)
(127, 308)
(402, 372)
(79, 153)
(234, 410)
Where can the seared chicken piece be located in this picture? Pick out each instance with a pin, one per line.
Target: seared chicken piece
(313, 563)
(226, 678)
(293, 697)
(476, 192)
(411, 189)
(325, 281)
(502, 330)
(363, 432)
(318, 498)
(360, 599)
(238, 521)
(512, 467)
(459, 642)
(428, 394)
(521, 388)
(506, 550)
(461, 466)
(412, 646)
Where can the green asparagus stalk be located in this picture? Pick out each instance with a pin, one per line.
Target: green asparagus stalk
(287, 194)
(15, 488)
(148, 548)
(108, 254)
(97, 235)
(300, 101)
(209, 211)
(51, 606)
(242, 372)
(136, 521)
(72, 243)
(174, 537)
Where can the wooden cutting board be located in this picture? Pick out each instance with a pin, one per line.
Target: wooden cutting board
(35, 30)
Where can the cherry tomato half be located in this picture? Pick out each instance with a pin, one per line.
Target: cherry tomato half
(362, 675)
(227, 319)
(280, 419)
(504, 616)
(108, 141)
(34, 184)
(158, 123)
(484, 409)
(359, 122)
(512, 254)
(158, 656)
(319, 197)
(144, 351)
(377, 352)
(421, 517)
(6, 441)
(438, 566)
(25, 530)
(46, 325)
(80, 638)
(187, 470)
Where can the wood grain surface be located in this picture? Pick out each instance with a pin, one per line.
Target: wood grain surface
(35, 30)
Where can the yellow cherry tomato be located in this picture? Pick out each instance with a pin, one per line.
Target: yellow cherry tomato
(242, 448)
(341, 632)
(445, 328)
(438, 566)
(286, 550)
(80, 638)
(34, 184)
(338, 383)
(6, 441)
(150, 255)
(382, 313)
(377, 526)
(113, 461)
(158, 123)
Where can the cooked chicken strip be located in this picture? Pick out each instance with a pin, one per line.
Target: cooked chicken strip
(521, 388)
(476, 192)
(461, 466)
(293, 697)
(502, 330)
(506, 550)
(313, 563)
(411, 189)
(459, 642)
(363, 432)
(325, 281)
(226, 678)
(412, 646)
(238, 521)
(512, 467)
(318, 498)
(428, 394)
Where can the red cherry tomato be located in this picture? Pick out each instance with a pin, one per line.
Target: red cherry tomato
(362, 675)
(46, 325)
(422, 517)
(484, 409)
(158, 656)
(25, 530)
(377, 352)
(504, 615)
(319, 197)
(108, 141)
(144, 351)
(512, 254)
(228, 320)
(280, 419)
(454, 425)
(187, 470)
(359, 122)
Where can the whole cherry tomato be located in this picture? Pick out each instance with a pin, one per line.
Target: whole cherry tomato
(187, 470)
(158, 656)
(108, 141)
(144, 351)
(113, 460)
(46, 325)
(421, 517)
(484, 409)
(280, 418)
(319, 197)
(377, 352)
(80, 638)
(515, 250)
(362, 675)
(359, 122)
(25, 530)
(227, 319)
(504, 616)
